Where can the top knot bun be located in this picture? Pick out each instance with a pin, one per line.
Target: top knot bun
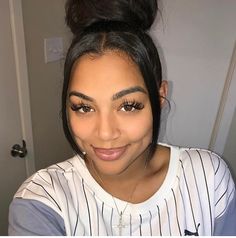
(136, 13)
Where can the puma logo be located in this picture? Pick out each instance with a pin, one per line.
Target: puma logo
(189, 233)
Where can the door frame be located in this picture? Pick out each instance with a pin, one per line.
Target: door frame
(17, 26)
(226, 109)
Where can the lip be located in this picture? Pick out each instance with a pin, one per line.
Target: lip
(110, 154)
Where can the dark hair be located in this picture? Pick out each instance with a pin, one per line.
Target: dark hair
(98, 33)
(82, 13)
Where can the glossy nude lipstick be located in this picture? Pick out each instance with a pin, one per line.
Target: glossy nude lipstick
(109, 154)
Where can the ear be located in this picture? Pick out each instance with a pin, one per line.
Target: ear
(163, 92)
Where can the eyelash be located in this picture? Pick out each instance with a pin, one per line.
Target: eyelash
(126, 106)
(133, 105)
(77, 107)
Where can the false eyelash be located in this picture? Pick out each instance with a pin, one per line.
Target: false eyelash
(136, 105)
(76, 107)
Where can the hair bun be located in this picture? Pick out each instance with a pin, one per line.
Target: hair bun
(137, 13)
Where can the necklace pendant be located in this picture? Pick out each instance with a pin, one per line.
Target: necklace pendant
(120, 225)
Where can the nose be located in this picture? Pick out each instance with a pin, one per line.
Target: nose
(107, 127)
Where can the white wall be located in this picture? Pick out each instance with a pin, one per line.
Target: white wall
(197, 39)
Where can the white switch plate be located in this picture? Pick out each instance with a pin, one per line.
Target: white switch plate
(53, 49)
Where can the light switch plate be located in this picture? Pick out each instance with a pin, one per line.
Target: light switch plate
(53, 49)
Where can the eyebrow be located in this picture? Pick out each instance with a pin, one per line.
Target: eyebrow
(80, 95)
(128, 91)
(116, 96)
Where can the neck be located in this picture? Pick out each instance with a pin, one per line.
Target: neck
(124, 184)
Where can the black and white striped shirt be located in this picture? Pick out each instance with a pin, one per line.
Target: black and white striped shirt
(197, 197)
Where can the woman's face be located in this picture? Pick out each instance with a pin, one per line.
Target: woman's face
(109, 111)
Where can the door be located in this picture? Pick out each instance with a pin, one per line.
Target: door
(13, 170)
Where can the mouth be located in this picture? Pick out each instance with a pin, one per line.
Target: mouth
(110, 154)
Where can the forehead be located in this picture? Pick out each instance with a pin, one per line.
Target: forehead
(110, 69)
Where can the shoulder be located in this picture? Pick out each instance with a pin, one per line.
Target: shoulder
(202, 160)
(209, 170)
(47, 185)
(195, 158)
(200, 166)
(33, 218)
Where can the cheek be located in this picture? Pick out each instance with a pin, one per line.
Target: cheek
(140, 128)
(81, 129)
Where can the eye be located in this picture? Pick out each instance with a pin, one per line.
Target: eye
(131, 106)
(81, 108)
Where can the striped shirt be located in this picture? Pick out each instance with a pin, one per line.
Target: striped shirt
(197, 197)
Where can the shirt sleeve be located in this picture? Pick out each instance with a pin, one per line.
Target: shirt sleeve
(225, 201)
(225, 225)
(33, 218)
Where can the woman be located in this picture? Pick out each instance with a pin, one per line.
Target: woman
(120, 181)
